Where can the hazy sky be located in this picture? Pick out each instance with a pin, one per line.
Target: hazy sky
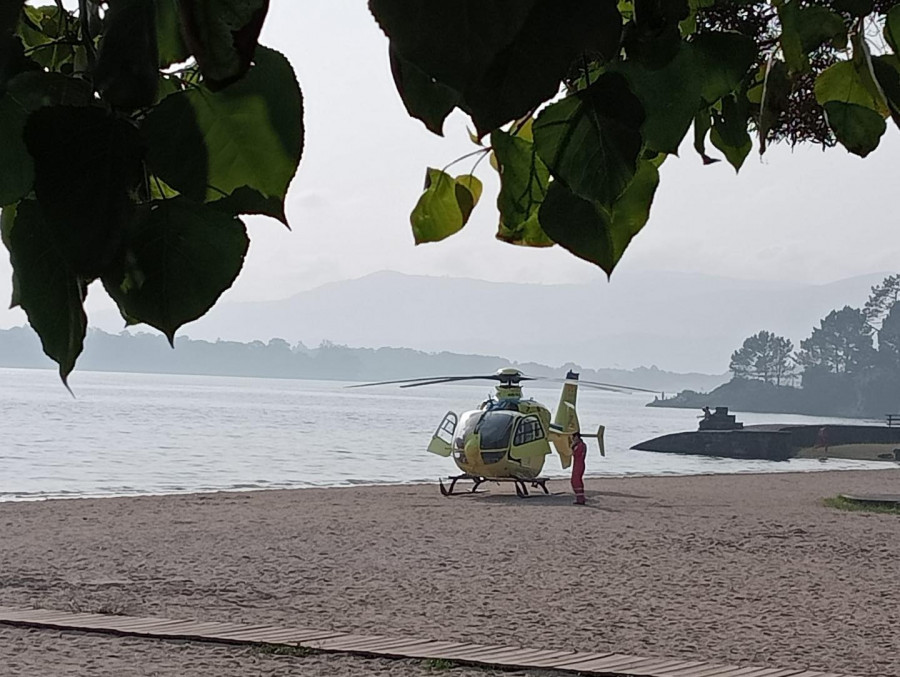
(801, 216)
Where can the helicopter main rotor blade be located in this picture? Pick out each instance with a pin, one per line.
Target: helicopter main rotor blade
(451, 379)
(621, 388)
(507, 378)
(411, 381)
(432, 380)
(611, 387)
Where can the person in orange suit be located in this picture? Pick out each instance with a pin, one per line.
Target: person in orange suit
(579, 451)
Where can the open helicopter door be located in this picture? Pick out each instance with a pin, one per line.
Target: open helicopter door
(442, 440)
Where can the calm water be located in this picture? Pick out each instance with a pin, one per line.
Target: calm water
(128, 434)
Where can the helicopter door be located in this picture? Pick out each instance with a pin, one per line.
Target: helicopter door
(529, 440)
(442, 441)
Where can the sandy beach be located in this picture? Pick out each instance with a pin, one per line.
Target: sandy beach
(746, 569)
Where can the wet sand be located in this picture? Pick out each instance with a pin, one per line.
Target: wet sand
(746, 569)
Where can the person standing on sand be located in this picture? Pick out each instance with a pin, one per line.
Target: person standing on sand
(579, 451)
(822, 439)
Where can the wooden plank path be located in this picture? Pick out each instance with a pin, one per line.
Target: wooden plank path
(609, 664)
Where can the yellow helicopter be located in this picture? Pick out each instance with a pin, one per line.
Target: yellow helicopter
(507, 438)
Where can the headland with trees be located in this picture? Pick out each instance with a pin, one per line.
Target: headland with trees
(848, 366)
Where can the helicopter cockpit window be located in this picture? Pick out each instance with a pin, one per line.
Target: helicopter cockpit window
(464, 428)
(496, 429)
(529, 430)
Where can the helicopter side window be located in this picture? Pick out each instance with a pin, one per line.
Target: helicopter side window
(496, 429)
(529, 430)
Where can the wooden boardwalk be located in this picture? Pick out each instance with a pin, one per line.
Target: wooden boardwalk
(609, 664)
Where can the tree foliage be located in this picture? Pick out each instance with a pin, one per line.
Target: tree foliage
(889, 340)
(841, 344)
(134, 134)
(844, 374)
(766, 357)
(579, 101)
(882, 300)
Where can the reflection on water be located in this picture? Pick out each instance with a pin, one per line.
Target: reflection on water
(147, 433)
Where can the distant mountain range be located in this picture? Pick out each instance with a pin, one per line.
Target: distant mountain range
(678, 322)
(150, 353)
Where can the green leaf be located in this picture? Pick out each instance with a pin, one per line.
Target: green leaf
(253, 129)
(425, 98)
(167, 85)
(16, 167)
(858, 128)
(86, 163)
(252, 134)
(724, 60)
(592, 232)
(854, 7)
(7, 219)
(245, 200)
(653, 38)
(222, 34)
(892, 28)
(729, 132)
(26, 93)
(775, 98)
(176, 147)
(805, 29)
(170, 44)
(39, 26)
(529, 233)
(843, 82)
(12, 59)
(444, 208)
(887, 72)
(862, 61)
(36, 89)
(670, 96)
(524, 180)
(468, 192)
(181, 256)
(702, 125)
(504, 58)
(127, 69)
(591, 140)
(9, 15)
(48, 291)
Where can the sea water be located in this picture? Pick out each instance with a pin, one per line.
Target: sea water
(127, 434)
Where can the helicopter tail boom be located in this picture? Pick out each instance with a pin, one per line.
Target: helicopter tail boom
(566, 419)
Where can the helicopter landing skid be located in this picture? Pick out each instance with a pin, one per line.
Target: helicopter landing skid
(521, 488)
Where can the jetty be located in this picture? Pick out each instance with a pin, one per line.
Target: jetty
(720, 434)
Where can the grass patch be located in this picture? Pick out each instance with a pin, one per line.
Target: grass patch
(440, 664)
(841, 503)
(285, 650)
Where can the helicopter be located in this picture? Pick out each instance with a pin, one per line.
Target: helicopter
(507, 438)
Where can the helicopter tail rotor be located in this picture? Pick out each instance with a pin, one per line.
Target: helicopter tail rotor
(601, 429)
